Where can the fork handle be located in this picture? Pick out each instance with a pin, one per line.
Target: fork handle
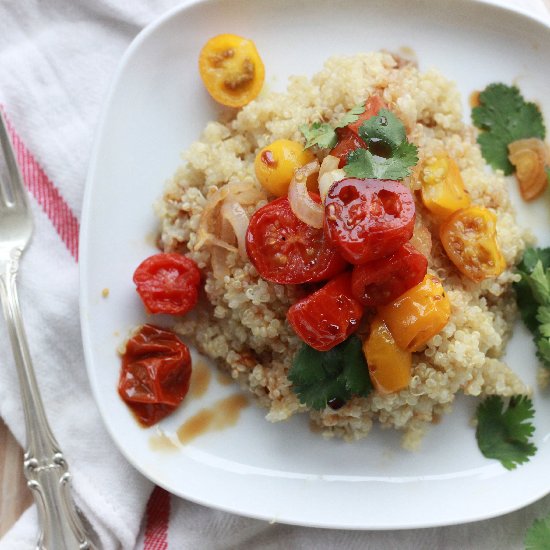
(47, 472)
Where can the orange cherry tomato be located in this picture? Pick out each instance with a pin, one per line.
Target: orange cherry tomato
(389, 365)
(469, 239)
(231, 69)
(155, 374)
(418, 314)
(442, 187)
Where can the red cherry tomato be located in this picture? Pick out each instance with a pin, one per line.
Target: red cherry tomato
(285, 250)
(380, 282)
(368, 219)
(168, 283)
(328, 316)
(155, 375)
(348, 141)
(372, 107)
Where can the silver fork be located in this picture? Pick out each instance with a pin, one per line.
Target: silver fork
(47, 473)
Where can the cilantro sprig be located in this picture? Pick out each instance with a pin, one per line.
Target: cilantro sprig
(503, 432)
(323, 134)
(387, 130)
(319, 378)
(537, 536)
(533, 298)
(504, 116)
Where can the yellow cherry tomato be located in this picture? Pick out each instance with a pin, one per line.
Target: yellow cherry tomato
(418, 314)
(275, 166)
(470, 240)
(442, 187)
(389, 365)
(231, 69)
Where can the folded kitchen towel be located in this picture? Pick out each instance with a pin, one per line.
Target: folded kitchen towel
(56, 62)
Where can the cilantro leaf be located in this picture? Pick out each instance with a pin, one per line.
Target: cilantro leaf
(533, 298)
(503, 433)
(537, 536)
(352, 115)
(319, 377)
(386, 129)
(321, 134)
(504, 116)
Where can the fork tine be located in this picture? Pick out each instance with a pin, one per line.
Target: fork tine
(11, 187)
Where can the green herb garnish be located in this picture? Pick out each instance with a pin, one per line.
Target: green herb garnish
(387, 130)
(538, 535)
(319, 378)
(503, 432)
(533, 298)
(323, 134)
(504, 116)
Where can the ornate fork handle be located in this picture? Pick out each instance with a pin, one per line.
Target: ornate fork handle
(45, 468)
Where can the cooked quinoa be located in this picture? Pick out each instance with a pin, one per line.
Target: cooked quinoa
(242, 322)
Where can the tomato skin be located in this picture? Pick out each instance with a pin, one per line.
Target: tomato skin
(381, 281)
(168, 283)
(368, 219)
(328, 316)
(285, 250)
(155, 374)
(372, 107)
(348, 141)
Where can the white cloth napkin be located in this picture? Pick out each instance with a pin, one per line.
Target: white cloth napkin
(56, 62)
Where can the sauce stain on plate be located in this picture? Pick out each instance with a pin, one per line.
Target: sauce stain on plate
(200, 379)
(162, 442)
(223, 414)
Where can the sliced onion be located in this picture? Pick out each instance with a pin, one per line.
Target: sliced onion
(422, 238)
(529, 158)
(303, 206)
(245, 192)
(234, 213)
(328, 174)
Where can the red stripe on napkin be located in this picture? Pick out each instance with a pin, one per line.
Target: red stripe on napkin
(67, 226)
(46, 193)
(158, 513)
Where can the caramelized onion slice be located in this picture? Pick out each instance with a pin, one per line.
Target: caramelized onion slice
(529, 157)
(328, 174)
(303, 206)
(235, 214)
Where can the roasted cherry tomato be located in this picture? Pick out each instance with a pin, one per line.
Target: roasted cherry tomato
(381, 281)
(275, 166)
(155, 375)
(328, 316)
(168, 283)
(372, 107)
(287, 251)
(368, 219)
(418, 314)
(348, 141)
(443, 187)
(469, 237)
(389, 365)
(231, 69)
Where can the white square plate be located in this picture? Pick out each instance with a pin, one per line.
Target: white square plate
(282, 472)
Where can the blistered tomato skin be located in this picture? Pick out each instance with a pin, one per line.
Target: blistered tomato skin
(368, 219)
(155, 374)
(379, 282)
(168, 283)
(470, 240)
(418, 314)
(348, 142)
(328, 316)
(285, 250)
